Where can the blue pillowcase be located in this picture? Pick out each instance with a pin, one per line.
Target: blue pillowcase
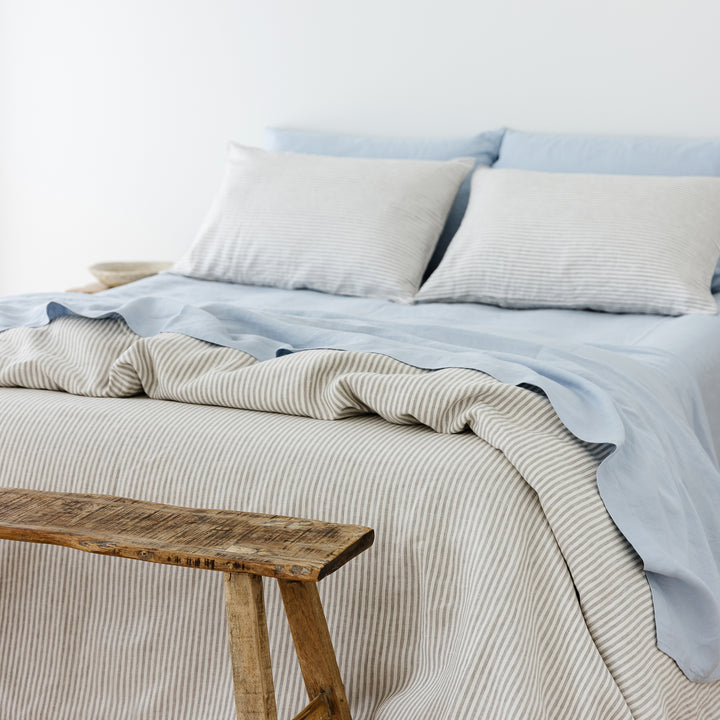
(483, 147)
(611, 155)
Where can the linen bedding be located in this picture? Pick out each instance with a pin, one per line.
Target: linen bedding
(499, 586)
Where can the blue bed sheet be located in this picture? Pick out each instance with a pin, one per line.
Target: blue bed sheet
(638, 382)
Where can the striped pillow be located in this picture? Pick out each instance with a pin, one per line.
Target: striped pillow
(348, 226)
(618, 243)
(483, 147)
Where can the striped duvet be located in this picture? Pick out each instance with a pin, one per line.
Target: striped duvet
(498, 586)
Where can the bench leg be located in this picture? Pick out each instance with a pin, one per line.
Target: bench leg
(313, 646)
(249, 648)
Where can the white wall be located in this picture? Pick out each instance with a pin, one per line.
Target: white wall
(114, 115)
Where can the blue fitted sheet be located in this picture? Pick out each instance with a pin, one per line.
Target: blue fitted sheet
(646, 384)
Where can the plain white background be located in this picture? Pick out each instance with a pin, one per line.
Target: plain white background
(114, 116)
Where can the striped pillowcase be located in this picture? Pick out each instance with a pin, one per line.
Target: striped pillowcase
(617, 243)
(349, 226)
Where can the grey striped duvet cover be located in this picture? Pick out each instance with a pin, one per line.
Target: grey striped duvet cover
(498, 586)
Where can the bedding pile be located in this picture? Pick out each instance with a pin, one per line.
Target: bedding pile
(661, 486)
(521, 370)
(562, 628)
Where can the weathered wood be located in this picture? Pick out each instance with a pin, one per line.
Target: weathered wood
(245, 546)
(317, 709)
(313, 645)
(249, 647)
(225, 540)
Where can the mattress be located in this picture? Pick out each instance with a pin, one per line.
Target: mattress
(499, 586)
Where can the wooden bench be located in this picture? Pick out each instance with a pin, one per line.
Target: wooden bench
(244, 546)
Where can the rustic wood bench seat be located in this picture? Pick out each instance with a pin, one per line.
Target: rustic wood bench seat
(244, 546)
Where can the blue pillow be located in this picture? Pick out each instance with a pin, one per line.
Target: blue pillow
(611, 155)
(483, 147)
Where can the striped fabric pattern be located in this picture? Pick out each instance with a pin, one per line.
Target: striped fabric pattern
(617, 243)
(498, 586)
(349, 226)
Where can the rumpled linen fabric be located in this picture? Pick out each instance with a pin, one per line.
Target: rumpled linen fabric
(498, 585)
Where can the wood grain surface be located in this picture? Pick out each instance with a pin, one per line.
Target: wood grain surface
(229, 541)
(249, 648)
(313, 645)
(317, 709)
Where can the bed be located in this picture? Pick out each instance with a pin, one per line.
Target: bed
(521, 468)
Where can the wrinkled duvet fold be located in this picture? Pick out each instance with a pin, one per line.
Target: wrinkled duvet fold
(498, 578)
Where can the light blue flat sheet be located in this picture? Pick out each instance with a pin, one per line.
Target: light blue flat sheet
(642, 383)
